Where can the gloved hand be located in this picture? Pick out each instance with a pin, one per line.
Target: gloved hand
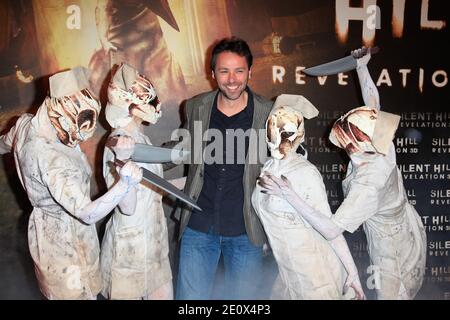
(124, 147)
(354, 283)
(130, 174)
(280, 187)
(362, 55)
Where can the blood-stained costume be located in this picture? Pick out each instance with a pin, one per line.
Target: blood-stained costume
(134, 260)
(309, 267)
(56, 175)
(374, 195)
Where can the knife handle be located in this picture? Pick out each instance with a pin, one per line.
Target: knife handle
(371, 50)
(119, 163)
(374, 50)
(363, 51)
(112, 141)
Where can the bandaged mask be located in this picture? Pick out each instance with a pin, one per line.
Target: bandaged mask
(285, 128)
(364, 130)
(72, 108)
(354, 130)
(131, 94)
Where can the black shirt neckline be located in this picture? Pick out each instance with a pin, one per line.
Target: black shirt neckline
(248, 109)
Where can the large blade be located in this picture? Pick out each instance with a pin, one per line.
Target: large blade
(151, 154)
(337, 66)
(163, 185)
(334, 67)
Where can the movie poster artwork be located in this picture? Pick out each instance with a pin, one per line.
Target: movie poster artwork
(170, 42)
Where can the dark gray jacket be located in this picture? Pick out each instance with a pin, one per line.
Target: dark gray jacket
(199, 109)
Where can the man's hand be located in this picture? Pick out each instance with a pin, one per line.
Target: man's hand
(124, 147)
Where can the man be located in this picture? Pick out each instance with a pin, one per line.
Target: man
(56, 175)
(227, 224)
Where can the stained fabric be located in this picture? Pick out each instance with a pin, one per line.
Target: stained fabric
(65, 251)
(308, 266)
(375, 197)
(135, 249)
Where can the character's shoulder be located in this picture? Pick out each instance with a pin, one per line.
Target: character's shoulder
(304, 168)
(24, 119)
(300, 168)
(37, 151)
(375, 173)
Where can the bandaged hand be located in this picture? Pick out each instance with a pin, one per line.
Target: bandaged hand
(362, 56)
(354, 283)
(280, 187)
(124, 147)
(131, 174)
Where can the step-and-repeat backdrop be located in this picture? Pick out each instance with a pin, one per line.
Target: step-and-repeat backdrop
(170, 42)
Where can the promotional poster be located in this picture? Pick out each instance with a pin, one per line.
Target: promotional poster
(171, 41)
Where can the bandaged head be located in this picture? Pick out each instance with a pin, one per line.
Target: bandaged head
(72, 108)
(131, 94)
(285, 128)
(364, 130)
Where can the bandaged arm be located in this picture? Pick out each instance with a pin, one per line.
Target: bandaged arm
(320, 222)
(127, 205)
(130, 176)
(323, 224)
(8, 139)
(68, 187)
(369, 90)
(327, 228)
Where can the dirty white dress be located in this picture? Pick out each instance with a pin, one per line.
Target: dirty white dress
(56, 178)
(135, 248)
(375, 197)
(308, 266)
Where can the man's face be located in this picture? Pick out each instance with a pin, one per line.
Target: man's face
(232, 74)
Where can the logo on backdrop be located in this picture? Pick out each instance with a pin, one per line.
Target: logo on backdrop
(438, 248)
(332, 171)
(438, 223)
(425, 171)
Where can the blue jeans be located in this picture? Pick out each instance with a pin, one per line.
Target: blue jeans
(199, 256)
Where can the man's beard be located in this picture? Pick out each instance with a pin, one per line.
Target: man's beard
(235, 96)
